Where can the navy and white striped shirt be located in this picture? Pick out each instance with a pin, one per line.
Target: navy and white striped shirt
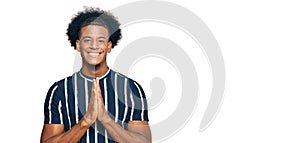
(67, 101)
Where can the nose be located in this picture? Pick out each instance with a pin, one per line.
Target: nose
(94, 45)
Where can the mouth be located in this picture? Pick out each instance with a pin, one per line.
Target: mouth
(94, 54)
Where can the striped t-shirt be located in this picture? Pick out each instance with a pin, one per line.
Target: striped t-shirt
(67, 101)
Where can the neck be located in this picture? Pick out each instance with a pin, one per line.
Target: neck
(94, 70)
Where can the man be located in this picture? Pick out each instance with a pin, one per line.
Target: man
(95, 104)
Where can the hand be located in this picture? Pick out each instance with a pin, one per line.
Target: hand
(92, 111)
(102, 115)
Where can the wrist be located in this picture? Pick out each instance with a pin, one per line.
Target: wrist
(104, 119)
(84, 123)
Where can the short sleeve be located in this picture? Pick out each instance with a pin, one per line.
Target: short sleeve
(52, 106)
(139, 106)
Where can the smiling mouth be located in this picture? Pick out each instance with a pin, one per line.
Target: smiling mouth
(94, 54)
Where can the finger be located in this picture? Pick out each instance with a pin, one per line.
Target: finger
(94, 82)
(98, 88)
(94, 87)
(97, 81)
(98, 85)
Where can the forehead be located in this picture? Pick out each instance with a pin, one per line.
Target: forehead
(94, 31)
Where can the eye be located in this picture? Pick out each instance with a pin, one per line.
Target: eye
(86, 40)
(101, 41)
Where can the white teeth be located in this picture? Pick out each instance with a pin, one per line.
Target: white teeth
(94, 54)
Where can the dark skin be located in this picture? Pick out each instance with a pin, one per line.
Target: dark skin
(94, 46)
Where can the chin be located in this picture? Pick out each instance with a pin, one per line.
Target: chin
(94, 64)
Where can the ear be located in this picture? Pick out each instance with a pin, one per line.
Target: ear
(109, 46)
(78, 45)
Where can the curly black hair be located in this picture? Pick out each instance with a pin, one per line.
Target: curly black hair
(95, 16)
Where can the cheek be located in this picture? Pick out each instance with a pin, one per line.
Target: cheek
(81, 47)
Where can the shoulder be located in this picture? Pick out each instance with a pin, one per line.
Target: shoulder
(118, 74)
(132, 85)
(123, 77)
(57, 89)
(59, 85)
(64, 80)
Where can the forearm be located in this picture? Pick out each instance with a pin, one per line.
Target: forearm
(71, 136)
(121, 135)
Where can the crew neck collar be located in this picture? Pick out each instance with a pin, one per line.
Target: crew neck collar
(91, 78)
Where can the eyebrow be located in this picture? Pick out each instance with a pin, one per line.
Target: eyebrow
(91, 37)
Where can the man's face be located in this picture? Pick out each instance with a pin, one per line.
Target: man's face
(93, 44)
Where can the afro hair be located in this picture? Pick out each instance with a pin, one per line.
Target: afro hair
(94, 16)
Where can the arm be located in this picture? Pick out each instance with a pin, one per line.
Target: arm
(53, 133)
(137, 132)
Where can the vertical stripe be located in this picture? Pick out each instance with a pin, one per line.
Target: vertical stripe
(116, 99)
(60, 112)
(67, 100)
(106, 105)
(142, 100)
(132, 105)
(86, 107)
(125, 100)
(50, 102)
(96, 133)
(76, 98)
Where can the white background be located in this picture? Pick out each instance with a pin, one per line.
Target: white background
(259, 40)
